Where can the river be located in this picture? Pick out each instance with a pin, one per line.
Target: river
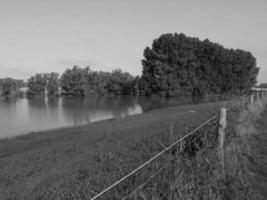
(21, 115)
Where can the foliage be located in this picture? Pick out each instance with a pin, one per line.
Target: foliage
(52, 84)
(117, 81)
(74, 81)
(85, 82)
(37, 85)
(9, 86)
(181, 65)
(78, 82)
(175, 65)
(131, 87)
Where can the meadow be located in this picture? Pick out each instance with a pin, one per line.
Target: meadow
(78, 162)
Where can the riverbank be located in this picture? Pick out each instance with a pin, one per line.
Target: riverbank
(246, 154)
(259, 150)
(74, 163)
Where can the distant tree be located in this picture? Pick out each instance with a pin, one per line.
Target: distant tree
(77, 82)
(74, 82)
(98, 82)
(131, 87)
(86, 82)
(37, 85)
(52, 84)
(119, 81)
(181, 65)
(9, 86)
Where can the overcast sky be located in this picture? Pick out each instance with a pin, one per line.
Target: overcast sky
(52, 35)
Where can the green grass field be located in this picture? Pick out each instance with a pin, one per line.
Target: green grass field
(78, 162)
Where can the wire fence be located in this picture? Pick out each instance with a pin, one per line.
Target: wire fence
(184, 143)
(190, 144)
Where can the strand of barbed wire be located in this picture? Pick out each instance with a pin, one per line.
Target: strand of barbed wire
(152, 159)
(158, 171)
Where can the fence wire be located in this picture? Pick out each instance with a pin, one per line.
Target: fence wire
(187, 144)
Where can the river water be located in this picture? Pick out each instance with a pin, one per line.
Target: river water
(21, 116)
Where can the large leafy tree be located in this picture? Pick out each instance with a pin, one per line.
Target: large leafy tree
(9, 87)
(118, 81)
(37, 85)
(181, 65)
(74, 81)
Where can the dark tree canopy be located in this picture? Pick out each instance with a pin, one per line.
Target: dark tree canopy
(82, 82)
(37, 85)
(179, 65)
(9, 87)
(52, 84)
(86, 82)
(74, 81)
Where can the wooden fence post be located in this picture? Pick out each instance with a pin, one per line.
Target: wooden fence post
(256, 96)
(222, 127)
(251, 99)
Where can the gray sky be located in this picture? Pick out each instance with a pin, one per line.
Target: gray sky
(51, 35)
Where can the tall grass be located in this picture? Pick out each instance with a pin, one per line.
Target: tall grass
(202, 175)
(76, 163)
(240, 157)
(192, 172)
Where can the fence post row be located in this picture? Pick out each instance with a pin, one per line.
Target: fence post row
(222, 127)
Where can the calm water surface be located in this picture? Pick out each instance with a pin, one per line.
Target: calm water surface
(21, 116)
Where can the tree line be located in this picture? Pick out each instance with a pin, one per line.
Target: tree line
(175, 65)
(86, 82)
(76, 82)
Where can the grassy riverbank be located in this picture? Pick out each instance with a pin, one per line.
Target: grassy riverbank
(77, 162)
(246, 153)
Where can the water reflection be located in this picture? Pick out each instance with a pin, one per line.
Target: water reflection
(20, 116)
